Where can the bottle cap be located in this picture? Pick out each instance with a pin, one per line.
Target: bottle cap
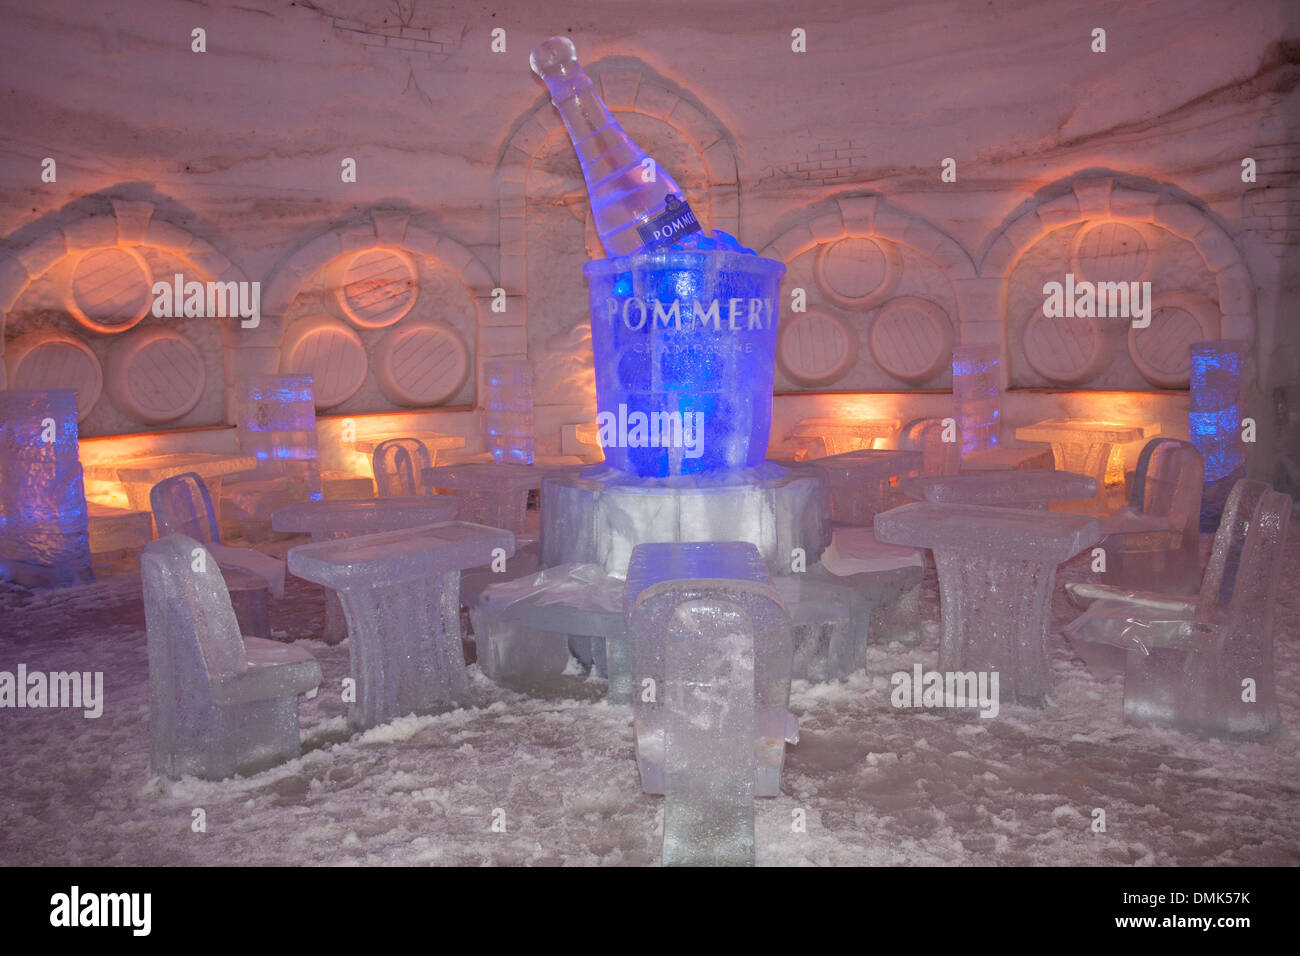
(554, 58)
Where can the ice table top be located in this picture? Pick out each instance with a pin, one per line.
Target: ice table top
(491, 476)
(155, 468)
(653, 564)
(868, 464)
(1077, 430)
(395, 557)
(982, 531)
(848, 427)
(359, 515)
(433, 441)
(1001, 487)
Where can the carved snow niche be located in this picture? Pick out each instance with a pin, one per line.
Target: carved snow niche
(46, 359)
(330, 352)
(110, 289)
(155, 375)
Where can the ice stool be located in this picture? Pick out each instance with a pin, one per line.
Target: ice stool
(662, 577)
(1202, 663)
(181, 505)
(1154, 543)
(219, 703)
(399, 465)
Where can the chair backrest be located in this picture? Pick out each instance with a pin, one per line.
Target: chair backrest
(181, 505)
(938, 457)
(1168, 482)
(193, 634)
(1245, 565)
(399, 465)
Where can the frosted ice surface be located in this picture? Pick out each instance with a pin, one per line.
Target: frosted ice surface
(1014, 489)
(710, 649)
(276, 421)
(219, 703)
(1214, 420)
(401, 593)
(888, 576)
(398, 465)
(1206, 668)
(44, 521)
(661, 577)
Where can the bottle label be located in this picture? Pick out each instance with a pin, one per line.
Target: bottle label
(675, 220)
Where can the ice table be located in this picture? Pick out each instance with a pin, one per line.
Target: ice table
(1007, 489)
(139, 475)
(859, 481)
(842, 435)
(996, 569)
(401, 594)
(494, 494)
(336, 518)
(664, 578)
(1090, 448)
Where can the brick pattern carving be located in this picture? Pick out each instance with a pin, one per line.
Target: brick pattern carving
(830, 163)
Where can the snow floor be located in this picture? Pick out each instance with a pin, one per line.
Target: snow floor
(878, 786)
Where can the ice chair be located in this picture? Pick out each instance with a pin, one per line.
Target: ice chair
(219, 703)
(399, 465)
(1203, 662)
(1154, 543)
(181, 505)
(938, 457)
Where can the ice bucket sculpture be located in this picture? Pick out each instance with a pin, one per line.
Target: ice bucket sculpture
(685, 347)
(44, 524)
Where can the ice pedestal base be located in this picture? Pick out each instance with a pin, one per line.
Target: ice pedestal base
(601, 515)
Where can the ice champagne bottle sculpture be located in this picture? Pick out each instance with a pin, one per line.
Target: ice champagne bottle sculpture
(635, 203)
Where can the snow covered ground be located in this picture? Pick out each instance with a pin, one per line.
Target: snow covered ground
(877, 785)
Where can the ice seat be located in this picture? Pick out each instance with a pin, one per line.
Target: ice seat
(219, 703)
(731, 577)
(1154, 543)
(1206, 666)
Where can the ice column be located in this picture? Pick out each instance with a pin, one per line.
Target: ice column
(277, 423)
(44, 523)
(976, 396)
(709, 735)
(1214, 422)
(508, 411)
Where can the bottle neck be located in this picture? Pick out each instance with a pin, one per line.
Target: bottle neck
(580, 106)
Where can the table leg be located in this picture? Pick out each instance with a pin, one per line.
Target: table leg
(405, 649)
(995, 619)
(1102, 461)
